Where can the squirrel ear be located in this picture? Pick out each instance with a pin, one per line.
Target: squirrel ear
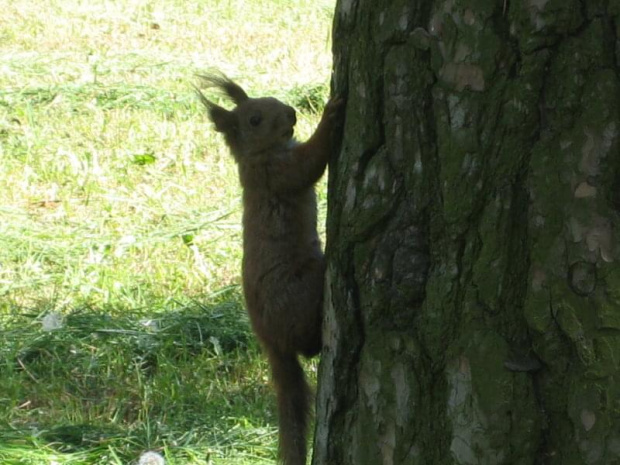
(234, 91)
(225, 121)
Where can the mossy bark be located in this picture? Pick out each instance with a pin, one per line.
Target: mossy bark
(473, 297)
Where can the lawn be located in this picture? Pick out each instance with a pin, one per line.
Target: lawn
(122, 327)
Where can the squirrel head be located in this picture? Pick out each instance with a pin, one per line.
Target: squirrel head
(255, 125)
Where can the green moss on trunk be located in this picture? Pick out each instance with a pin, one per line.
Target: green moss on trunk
(472, 314)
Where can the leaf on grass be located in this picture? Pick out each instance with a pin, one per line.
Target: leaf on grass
(143, 159)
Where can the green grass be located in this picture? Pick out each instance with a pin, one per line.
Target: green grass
(122, 328)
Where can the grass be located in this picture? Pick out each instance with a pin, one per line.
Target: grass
(122, 328)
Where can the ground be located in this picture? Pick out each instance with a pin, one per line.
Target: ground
(122, 328)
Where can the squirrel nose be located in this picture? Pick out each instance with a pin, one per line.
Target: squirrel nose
(292, 117)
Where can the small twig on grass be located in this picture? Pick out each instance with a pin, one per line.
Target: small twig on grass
(33, 377)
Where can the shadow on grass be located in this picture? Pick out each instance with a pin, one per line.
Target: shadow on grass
(94, 381)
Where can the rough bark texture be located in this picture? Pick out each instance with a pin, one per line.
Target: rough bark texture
(473, 289)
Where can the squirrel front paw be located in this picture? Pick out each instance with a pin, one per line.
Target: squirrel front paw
(332, 121)
(334, 108)
(333, 115)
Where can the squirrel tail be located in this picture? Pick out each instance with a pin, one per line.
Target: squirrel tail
(294, 397)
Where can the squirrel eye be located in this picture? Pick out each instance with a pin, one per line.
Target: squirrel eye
(255, 120)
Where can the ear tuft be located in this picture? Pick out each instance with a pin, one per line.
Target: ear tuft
(221, 82)
(206, 102)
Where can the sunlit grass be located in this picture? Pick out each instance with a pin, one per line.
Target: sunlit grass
(119, 217)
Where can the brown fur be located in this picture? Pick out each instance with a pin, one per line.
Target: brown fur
(283, 265)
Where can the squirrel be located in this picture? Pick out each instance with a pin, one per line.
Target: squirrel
(283, 266)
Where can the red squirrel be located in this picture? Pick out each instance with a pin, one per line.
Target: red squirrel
(283, 267)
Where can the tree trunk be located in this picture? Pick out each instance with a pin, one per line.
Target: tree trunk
(473, 297)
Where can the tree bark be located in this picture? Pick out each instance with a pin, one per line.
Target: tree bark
(473, 284)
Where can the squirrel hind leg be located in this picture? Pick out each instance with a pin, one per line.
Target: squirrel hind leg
(313, 341)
